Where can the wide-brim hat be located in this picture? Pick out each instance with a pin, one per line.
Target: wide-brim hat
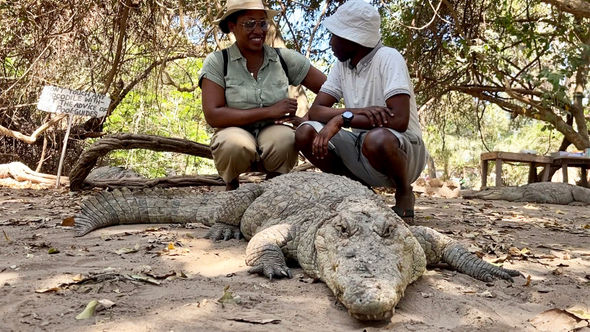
(233, 6)
(356, 21)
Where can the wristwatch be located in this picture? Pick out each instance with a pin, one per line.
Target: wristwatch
(347, 117)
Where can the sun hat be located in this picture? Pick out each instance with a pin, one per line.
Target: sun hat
(356, 21)
(232, 6)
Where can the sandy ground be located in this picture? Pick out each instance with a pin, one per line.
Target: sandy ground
(168, 278)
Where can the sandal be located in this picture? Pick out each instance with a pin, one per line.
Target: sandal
(406, 215)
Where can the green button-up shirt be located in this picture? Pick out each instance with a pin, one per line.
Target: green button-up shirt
(242, 90)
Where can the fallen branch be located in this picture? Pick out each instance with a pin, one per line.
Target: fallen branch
(109, 143)
(22, 172)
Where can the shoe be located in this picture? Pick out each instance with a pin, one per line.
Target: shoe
(406, 215)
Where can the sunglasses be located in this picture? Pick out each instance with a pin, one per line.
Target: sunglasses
(250, 25)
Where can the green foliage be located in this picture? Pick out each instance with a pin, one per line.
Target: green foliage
(456, 146)
(522, 55)
(168, 113)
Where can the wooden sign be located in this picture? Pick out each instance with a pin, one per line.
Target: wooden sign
(72, 102)
(85, 103)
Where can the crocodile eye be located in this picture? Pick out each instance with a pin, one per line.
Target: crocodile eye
(344, 229)
(389, 231)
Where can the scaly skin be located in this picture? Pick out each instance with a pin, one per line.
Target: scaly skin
(337, 229)
(538, 192)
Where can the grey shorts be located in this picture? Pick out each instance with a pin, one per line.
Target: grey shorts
(347, 146)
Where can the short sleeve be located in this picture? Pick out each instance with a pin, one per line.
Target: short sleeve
(297, 65)
(213, 69)
(333, 84)
(396, 79)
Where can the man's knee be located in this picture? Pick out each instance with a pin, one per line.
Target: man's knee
(304, 136)
(380, 141)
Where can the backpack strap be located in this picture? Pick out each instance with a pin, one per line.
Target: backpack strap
(225, 60)
(283, 63)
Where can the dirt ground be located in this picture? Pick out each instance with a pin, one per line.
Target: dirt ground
(168, 278)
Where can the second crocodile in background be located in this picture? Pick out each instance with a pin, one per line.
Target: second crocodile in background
(338, 230)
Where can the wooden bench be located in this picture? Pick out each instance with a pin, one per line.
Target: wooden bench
(499, 157)
(565, 161)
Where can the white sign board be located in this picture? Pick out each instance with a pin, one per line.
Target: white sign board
(59, 100)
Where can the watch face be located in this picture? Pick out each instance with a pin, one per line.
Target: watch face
(347, 119)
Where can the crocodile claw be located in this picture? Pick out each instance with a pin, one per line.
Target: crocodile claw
(272, 271)
(221, 231)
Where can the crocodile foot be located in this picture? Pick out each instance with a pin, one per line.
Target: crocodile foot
(221, 231)
(271, 264)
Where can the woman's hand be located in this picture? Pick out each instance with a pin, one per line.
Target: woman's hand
(285, 108)
(294, 121)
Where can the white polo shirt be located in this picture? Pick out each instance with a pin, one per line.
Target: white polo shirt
(381, 74)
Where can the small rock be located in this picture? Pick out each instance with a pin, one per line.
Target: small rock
(488, 294)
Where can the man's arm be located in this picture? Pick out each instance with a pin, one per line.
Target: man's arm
(399, 105)
(395, 116)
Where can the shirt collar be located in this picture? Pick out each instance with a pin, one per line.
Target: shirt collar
(269, 54)
(366, 60)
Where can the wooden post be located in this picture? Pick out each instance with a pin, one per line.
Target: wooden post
(63, 150)
(484, 173)
(498, 172)
(546, 172)
(584, 174)
(532, 172)
(564, 172)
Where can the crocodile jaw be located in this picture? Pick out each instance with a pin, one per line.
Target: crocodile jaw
(370, 299)
(368, 257)
(367, 288)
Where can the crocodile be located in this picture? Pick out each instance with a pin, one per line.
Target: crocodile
(338, 230)
(538, 192)
(112, 173)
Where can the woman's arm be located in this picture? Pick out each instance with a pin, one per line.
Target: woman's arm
(314, 79)
(218, 115)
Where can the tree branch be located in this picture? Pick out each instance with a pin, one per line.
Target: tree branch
(576, 7)
(33, 137)
(122, 27)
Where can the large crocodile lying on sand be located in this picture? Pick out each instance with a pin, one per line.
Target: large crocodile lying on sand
(338, 230)
(538, 192)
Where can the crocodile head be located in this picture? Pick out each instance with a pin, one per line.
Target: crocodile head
(367, 256)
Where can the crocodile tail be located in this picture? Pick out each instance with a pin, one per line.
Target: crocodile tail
(159, 206)
(464, 261)
(439, 247)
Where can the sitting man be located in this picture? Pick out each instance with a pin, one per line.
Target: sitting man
(384, 147)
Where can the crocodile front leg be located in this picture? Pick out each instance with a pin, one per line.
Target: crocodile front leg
(265, 251)
(439, 247)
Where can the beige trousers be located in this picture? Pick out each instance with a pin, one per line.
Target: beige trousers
(236, 151)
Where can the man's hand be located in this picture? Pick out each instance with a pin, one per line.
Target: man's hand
(320, 144)
(285, 108)
(377, 115)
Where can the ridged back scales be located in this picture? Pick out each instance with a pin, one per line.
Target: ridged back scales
(251, 205)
